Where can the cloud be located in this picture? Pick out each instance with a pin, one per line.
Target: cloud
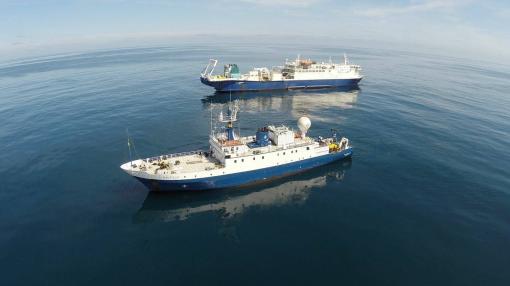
(288, 3)
(502, 13)
(414, 7)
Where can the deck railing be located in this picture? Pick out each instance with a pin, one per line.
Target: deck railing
(168, 156)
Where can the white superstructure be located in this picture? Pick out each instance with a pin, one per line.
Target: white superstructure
(293, 70)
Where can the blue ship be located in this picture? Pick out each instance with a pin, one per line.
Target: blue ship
(232, 160)
(295, 74)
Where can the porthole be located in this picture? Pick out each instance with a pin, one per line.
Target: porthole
(235, 161)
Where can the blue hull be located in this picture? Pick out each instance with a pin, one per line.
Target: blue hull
(241, 85)
(243, 178)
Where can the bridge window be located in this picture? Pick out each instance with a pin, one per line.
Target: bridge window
(307, 148)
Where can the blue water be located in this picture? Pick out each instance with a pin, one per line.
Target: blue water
(424, 201)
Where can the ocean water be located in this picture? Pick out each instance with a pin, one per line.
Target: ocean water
(425, 199)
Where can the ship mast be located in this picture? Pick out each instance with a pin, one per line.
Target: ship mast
(211, 108)
(230, 118)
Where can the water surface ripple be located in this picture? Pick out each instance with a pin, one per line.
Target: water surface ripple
(424, 201)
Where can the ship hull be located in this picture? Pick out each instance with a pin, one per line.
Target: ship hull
(243, 85)
(243, 178)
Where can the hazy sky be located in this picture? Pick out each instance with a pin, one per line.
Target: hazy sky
(458, 27)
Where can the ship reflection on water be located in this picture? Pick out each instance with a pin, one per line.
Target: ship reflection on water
(302, 101)
(230, 203)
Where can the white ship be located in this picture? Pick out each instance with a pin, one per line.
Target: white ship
(294, 74)
(233, 160)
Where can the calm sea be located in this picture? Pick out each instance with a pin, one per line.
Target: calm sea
(425, 199)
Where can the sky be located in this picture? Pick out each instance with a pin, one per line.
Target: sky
(458, 27)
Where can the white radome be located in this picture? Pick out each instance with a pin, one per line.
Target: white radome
(304, 124)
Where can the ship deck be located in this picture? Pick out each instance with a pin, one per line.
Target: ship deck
(188, 162)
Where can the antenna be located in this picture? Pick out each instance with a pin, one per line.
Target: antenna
(229, 118)
(239, 128)
(131, 142)
(129, 148)
(211, 108)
